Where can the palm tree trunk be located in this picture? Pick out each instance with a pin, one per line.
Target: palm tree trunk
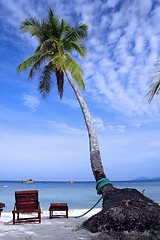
(95, 157)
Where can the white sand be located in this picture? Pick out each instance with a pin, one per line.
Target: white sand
(55, 229)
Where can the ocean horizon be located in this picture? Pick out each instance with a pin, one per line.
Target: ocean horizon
(78, 195)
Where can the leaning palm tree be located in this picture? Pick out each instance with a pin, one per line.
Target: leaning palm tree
(57, 40)
(155, 86)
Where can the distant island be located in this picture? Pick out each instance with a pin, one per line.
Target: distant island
(30, 181)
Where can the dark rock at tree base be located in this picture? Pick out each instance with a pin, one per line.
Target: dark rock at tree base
(125, 210)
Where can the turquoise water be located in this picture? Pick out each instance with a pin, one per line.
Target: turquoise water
(79, 195)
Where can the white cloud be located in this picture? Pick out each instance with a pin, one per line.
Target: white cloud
(123, 59)
(137, 125)
(111, 3)
(71, 102)
(31, 101)
(123, 45)
(145, 8)
(104, 21)
(99, 123)
(119, 128)
(131, 28)
(117, 20)
(64, 128)
(139, 45)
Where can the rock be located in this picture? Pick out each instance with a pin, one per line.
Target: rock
(125, 210)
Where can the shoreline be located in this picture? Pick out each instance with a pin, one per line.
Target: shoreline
(50, 229)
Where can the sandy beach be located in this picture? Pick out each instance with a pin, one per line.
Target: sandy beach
(57, 228)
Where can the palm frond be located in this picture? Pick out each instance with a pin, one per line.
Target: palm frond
(75, 69)
(32, 26)
(73, 46)
(82, 30)
(59, 61)
(157, 64)
(53, 24)
(36, 28)
(155, 90)
(49, 44)
(45, 83)
(63, 27)
(38, 48)
(63, 62)
(155, 85)
(37, 64)
(75, 34)
(28, 62)
(79, 79)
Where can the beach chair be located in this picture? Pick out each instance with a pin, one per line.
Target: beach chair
(26, 202)
(2, 205)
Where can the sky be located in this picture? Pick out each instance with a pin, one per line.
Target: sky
(46, 139)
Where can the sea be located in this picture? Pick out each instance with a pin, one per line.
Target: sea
(78, 195)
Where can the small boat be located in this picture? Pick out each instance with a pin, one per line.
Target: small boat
(30, 181)
(71, 182)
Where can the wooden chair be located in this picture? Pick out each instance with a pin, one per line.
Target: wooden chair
(2, 205)
(26, 202)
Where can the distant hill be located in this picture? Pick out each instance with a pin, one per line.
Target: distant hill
(146, 179)
(141, 179)
(157, 178)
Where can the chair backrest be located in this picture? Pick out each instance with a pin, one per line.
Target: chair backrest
(26, 200)
(2, 205)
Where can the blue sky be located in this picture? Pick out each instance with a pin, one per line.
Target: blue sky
(47, 139)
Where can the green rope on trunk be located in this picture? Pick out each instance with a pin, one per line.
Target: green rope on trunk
(99, 184)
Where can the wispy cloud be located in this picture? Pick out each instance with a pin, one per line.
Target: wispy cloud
(44, 151)
(31, 101)
(123, 56)
(71, 102)
(121, 52)
(99, 123)
(119, 128)
(136, 125)
(65, 128)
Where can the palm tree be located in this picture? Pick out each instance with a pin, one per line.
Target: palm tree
(155, 86)
(57, 40)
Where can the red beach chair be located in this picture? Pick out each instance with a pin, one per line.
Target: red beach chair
(26, 202)
(2, 205)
